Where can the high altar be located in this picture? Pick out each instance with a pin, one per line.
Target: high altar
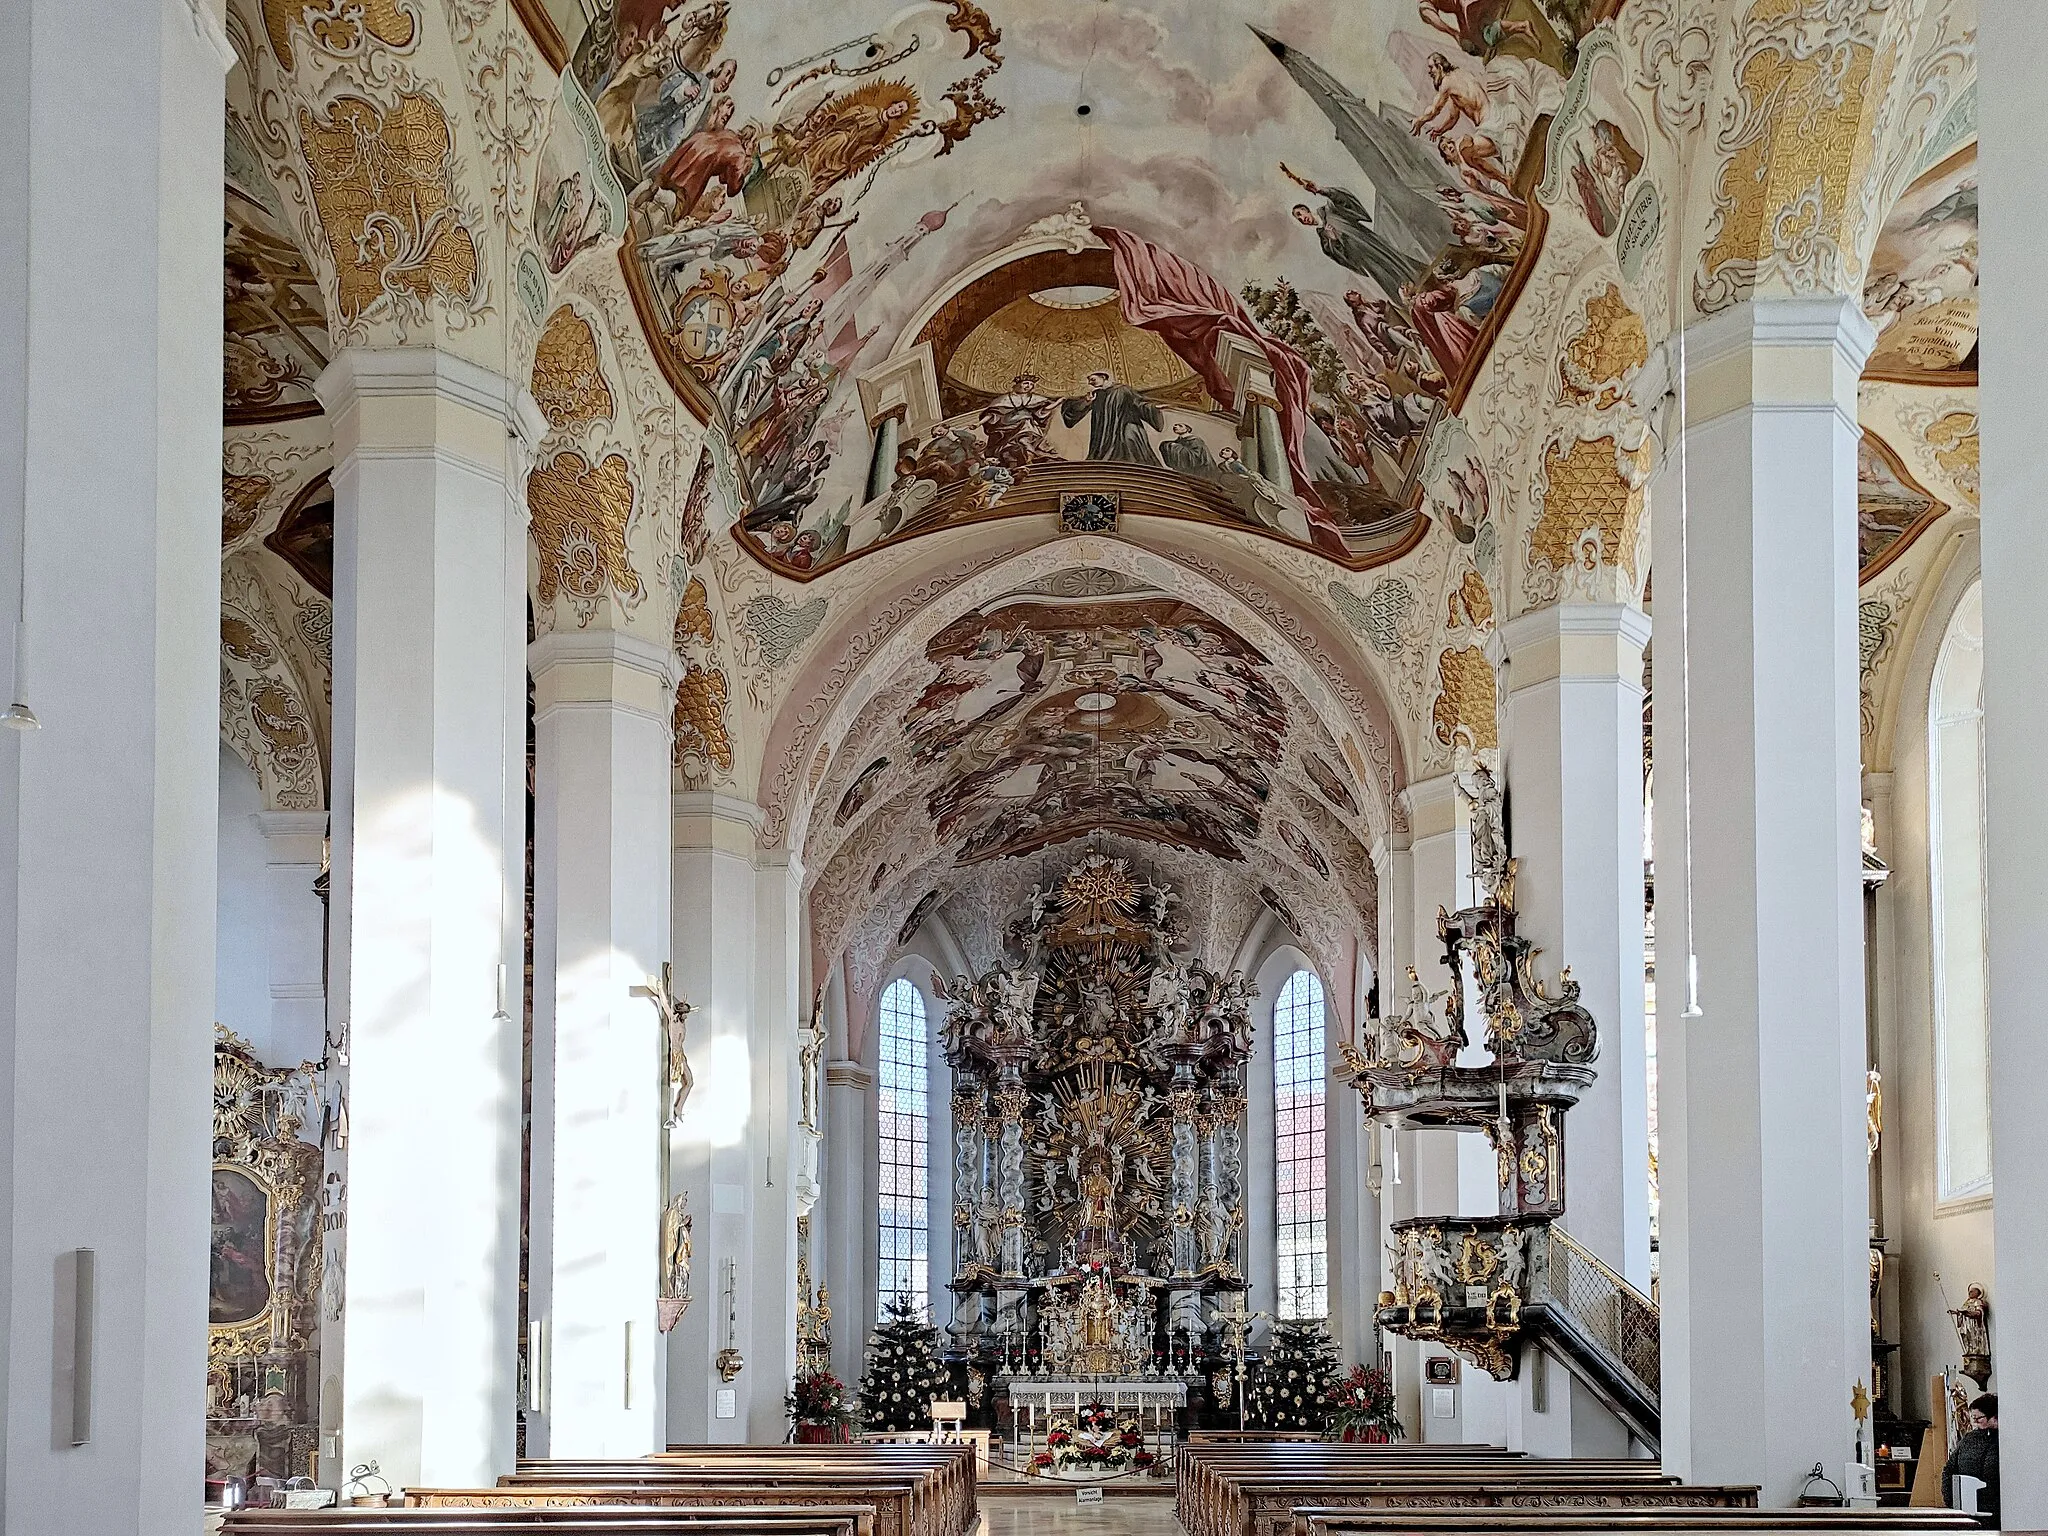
(1098, 1168)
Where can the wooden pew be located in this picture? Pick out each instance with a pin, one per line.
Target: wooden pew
(1246, 1490)
(1204, 1473)
(1312, 1521)
(767, 1520)
(906, 1503)
(943, 1489)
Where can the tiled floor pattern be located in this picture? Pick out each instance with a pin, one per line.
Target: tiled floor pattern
(1045, 1515)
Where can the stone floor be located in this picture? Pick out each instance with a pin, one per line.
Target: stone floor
(1045, 1515)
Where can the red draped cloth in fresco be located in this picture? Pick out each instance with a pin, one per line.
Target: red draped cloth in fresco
(1188, 310)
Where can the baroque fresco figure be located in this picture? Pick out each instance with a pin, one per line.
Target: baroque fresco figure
(1117, 417)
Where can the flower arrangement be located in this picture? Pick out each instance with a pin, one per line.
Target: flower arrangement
(1093, 1441)
(818, 1400)
(1361, 1406)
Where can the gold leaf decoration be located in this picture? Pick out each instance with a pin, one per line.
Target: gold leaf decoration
(1612, 344)
(241, 498)
(279, 718)
(385, 192)
(700, 718)
(693, 615)
(337, 26)
(568, 379)
(1590, 512)
(245, 642)
(1954, 441)
(1465, 702)
(579, 516)
(1810, 95)
(1471, 605)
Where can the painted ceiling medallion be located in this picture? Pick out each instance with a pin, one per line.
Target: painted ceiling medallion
(857, 253)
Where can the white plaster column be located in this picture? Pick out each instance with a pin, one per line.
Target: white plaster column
(1765, 1204)
(736, 930)
(849, 1213)
(426, 905)
(2015, 320)
(602, 703)
(1575, 771)
(110, 420)
(295, 941)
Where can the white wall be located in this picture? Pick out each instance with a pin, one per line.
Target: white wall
(1927, 1235)
(242, 943)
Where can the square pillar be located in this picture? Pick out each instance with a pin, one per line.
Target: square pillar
(735, 943)
(1765, 1201)
(2014, 160)
(601, 928)
(1575, 770)
(110, 423)
(425, 941)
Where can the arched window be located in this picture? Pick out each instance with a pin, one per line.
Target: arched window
(1300, 1169)
(1955, 832)
(905, 1087)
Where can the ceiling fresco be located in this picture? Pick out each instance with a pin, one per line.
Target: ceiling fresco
(275, 341)
(1921, 290)
(1892, 508)
(1048, 720)
(1226, 262)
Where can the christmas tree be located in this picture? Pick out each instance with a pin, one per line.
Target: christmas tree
(904, 1372)
(1290, 1388)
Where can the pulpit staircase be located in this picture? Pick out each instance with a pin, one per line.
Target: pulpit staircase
(1601, 1328)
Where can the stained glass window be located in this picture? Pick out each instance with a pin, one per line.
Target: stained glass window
(1300, 1164)
(905, 1080)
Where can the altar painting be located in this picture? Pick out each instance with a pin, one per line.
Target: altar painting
(1044, 721)
(243, 1234)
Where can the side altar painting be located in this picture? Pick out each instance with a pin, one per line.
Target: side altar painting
(1271, 327)
(262, 1412)
(1098, 1170)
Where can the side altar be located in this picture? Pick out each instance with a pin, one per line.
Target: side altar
(1098, 1159)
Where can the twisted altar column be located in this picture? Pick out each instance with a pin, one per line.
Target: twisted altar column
(1009, 1139)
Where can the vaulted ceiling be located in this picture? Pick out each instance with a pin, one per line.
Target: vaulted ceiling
(1044, 423)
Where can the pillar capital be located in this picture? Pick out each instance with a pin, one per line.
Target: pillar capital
(704, 818)
(395, 402)
(1575, 640)
(602, 669)
(1433, 807)
(1785, 354)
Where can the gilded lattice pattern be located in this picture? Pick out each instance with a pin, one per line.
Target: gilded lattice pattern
(579, 515)
(1465, 700)
(384, 184)
(693, 615)
(1591, 514)
(341, 27)
(568, 377)
(700, 729)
